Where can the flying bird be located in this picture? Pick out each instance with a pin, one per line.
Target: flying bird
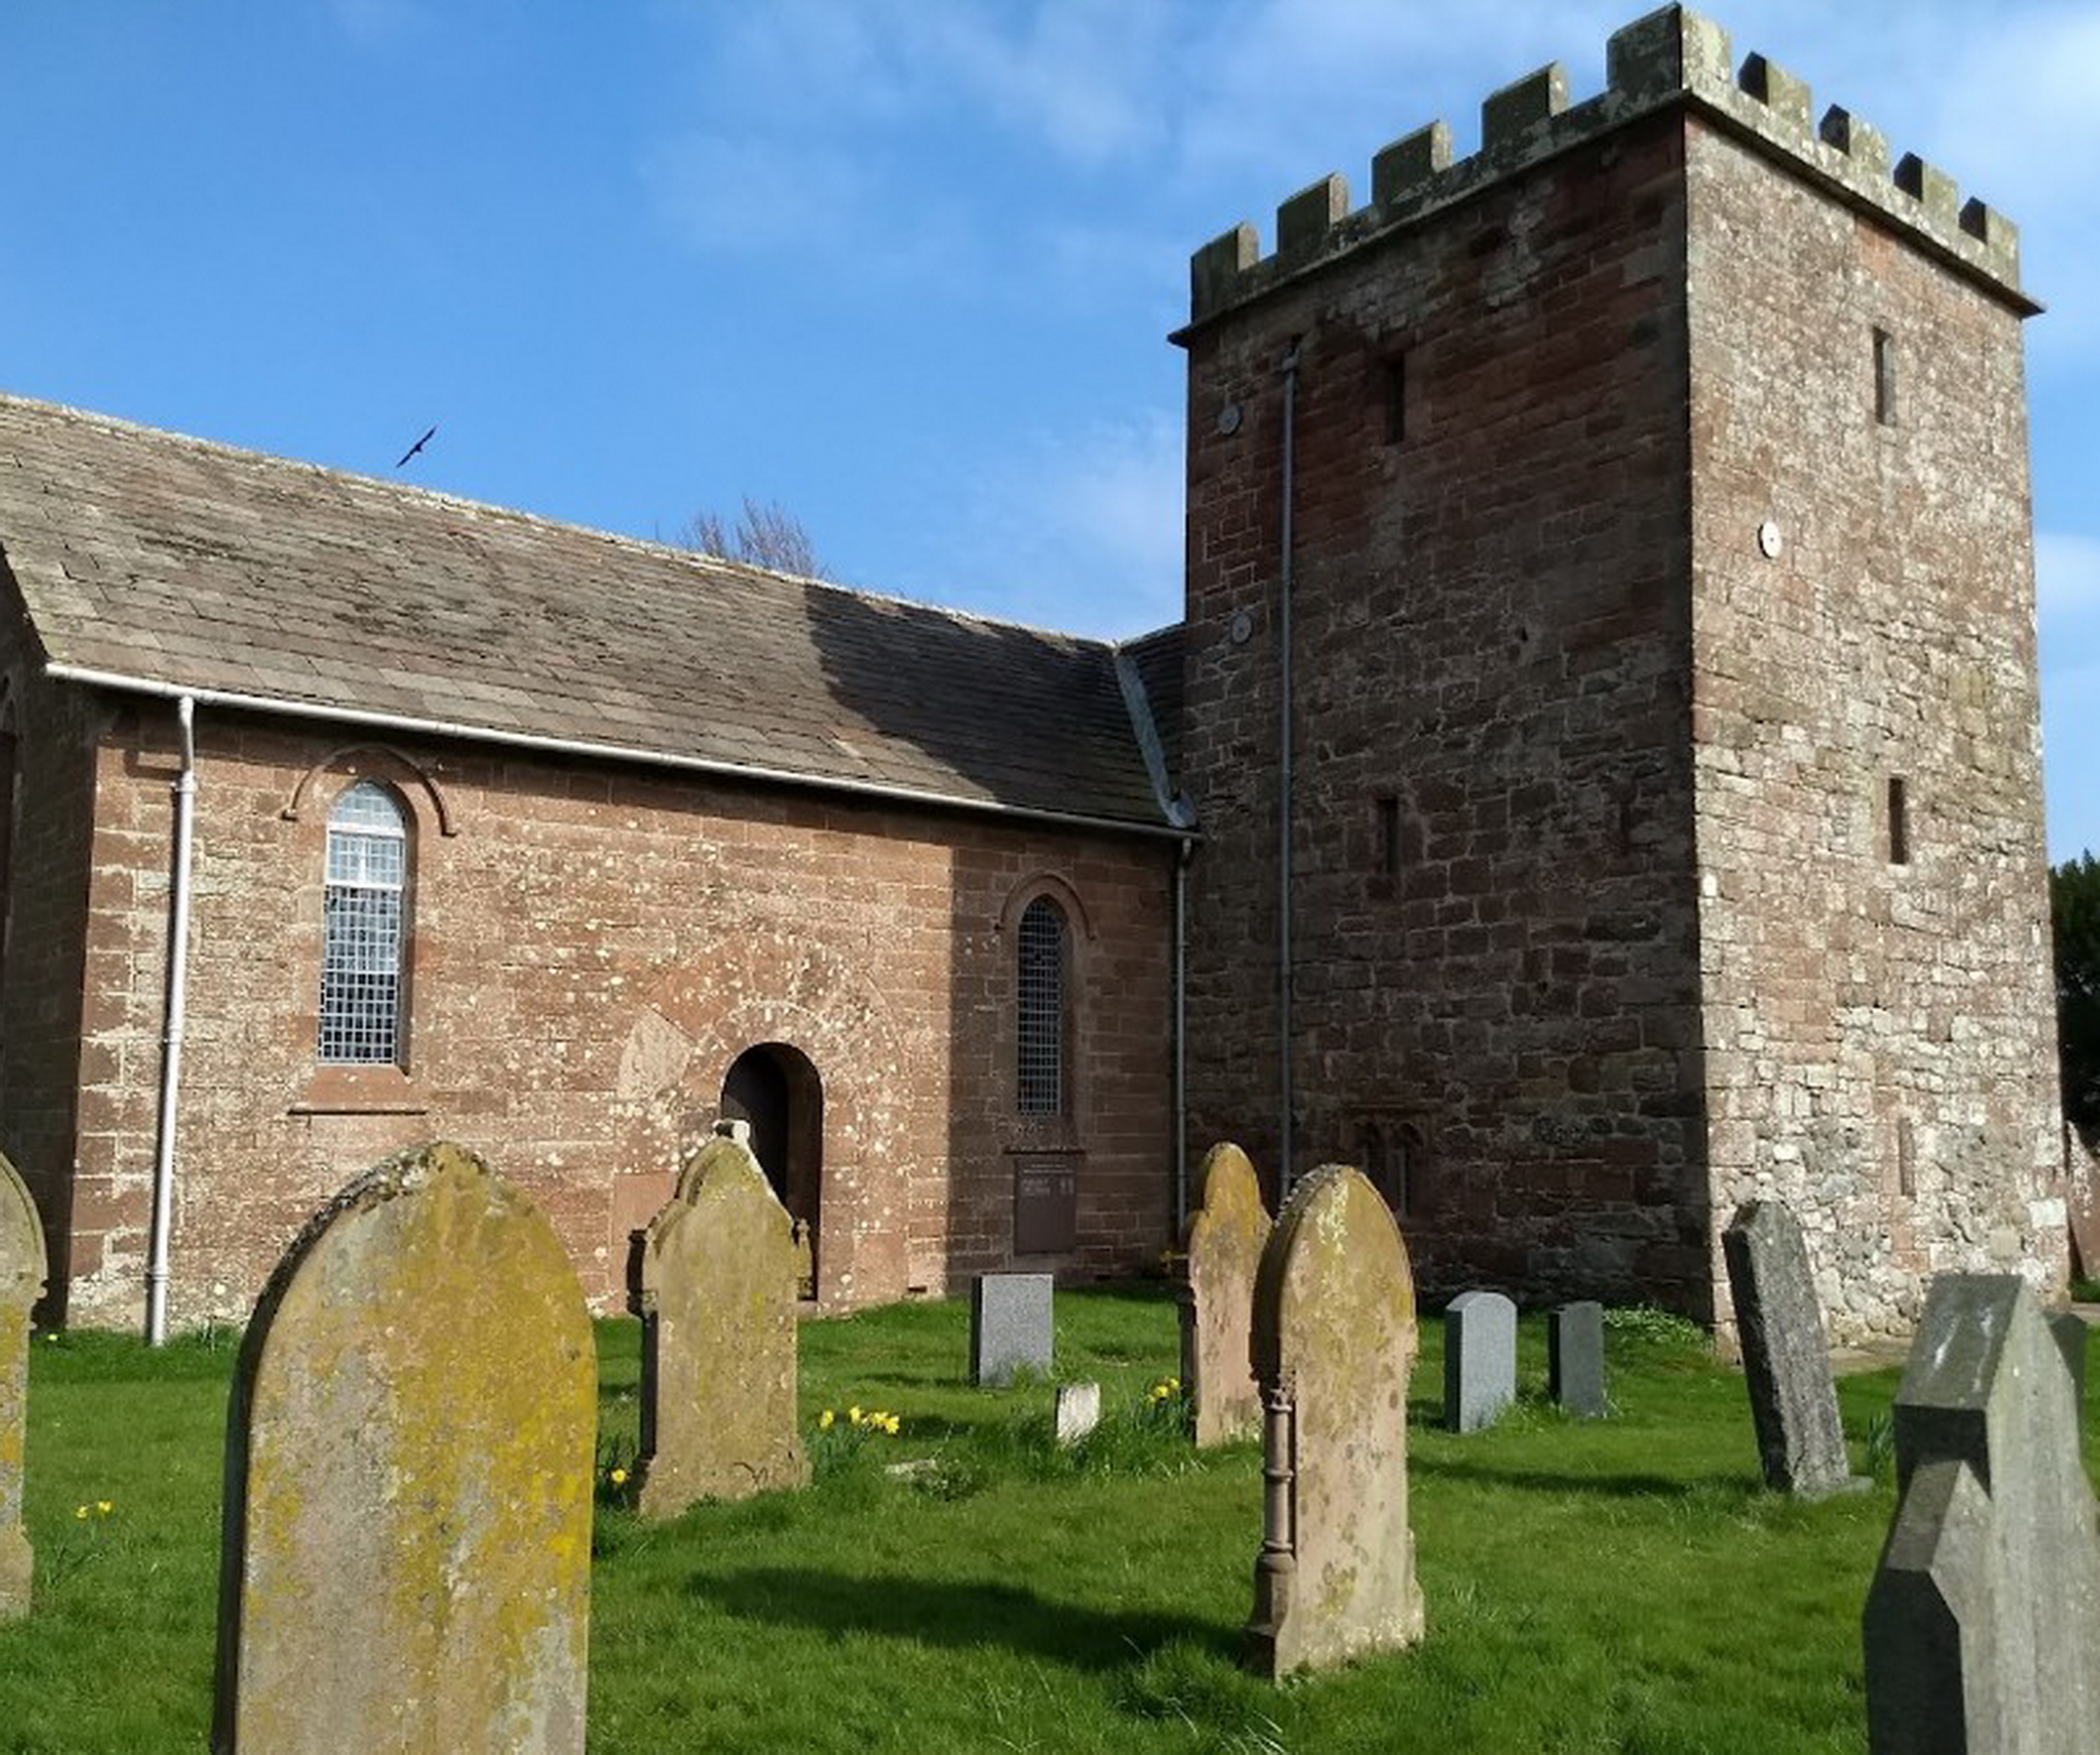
(417, 447)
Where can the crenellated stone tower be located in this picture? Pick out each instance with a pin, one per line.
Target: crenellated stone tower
(1664, 779)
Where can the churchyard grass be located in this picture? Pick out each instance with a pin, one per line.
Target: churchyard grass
(1625, 1585)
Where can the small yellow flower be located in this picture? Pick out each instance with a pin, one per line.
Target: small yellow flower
(853, 1415)
(618, 1477)
(824, 1420)
(104, 1506)
(80, 1511)
(889, 1425)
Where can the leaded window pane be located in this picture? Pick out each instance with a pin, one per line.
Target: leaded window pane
(366, 870)
(1042, 1009)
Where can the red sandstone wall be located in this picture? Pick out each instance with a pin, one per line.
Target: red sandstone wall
(591, 949)
(40, 970)
(1880, 1034)
(1492, 630)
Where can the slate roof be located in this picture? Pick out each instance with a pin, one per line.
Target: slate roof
(187, 563)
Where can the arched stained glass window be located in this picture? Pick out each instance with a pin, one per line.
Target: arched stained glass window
(1043, 962)
(361, 930)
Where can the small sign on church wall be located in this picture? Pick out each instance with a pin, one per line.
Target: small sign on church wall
(1046, 1202)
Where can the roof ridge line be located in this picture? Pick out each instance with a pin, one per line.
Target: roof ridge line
(438, 496)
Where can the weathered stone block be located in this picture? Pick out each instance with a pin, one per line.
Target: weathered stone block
(1575, 1359)
(719, 1272)
(1982, 1628)
(1226, 1235)
(1334, 1338)
(22, 1271)
(1786, 1360)
(1479, 1360)
(1010, 1325)
(409, 1462)
(1078, 1411)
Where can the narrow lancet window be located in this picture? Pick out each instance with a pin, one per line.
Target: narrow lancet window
(1043, 965)
(361, 931)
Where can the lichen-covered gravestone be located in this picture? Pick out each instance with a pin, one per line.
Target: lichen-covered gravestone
(717, 1283)
(1012, 1326)
(1224, 1245)
(21, 1284)
(1479, 1360)
(1575, 1359)
(1786, 1361)
(410, 1450)
(1334, 1338)
(1983, 1626)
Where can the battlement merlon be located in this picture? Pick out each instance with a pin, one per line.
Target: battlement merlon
(1673, 56)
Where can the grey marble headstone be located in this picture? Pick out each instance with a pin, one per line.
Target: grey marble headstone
(1786, 1361)
(1010, 1326)
(1479, 1360)
(1575, 1359)
(1078, 1411)
(1982, 1629)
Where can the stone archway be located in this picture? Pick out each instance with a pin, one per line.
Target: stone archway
(774, 1087)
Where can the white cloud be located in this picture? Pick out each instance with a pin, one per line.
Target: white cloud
(1081, 531)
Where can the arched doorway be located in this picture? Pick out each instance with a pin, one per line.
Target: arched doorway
(775, 1089)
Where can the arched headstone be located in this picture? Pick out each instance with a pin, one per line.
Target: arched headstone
(718, 1295)
(22, 1270)
(1334, 1338)
(410, 1454)
(1225, 1237)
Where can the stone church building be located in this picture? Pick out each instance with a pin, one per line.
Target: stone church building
(1595, 781)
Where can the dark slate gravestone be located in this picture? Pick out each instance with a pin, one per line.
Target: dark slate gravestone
(1982, 1629)
(1785, 1360)
(1009, 1326)
(1575, 1359)
(1479, 1360)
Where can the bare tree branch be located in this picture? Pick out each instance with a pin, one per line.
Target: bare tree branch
(765, 535)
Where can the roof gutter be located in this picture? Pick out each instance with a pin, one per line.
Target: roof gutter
(548, 745)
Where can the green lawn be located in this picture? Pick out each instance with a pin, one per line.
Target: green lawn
(1621, 1586)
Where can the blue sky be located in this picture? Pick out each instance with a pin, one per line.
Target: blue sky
(905, 266)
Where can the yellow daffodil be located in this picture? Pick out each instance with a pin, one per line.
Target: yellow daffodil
(104, 1506)
(618, 1477)
(825, 1419)
(853, 1415)
(889, 1425)
(80, 1511)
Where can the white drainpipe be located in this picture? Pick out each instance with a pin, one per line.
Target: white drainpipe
(171, 1041)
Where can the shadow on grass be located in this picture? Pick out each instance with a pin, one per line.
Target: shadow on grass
(959, 1613)
(1714, 1486)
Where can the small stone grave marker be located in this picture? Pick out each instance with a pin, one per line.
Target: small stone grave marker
(1982, 1628)
(1078, 1411)
(1335, 1337)
(1479, 1360)
(1575, 1359)
(410, 1450)
(1010, 1326)
(22, 1271)
(1226, 1235)
(1786, 1362)
(718, 1283)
